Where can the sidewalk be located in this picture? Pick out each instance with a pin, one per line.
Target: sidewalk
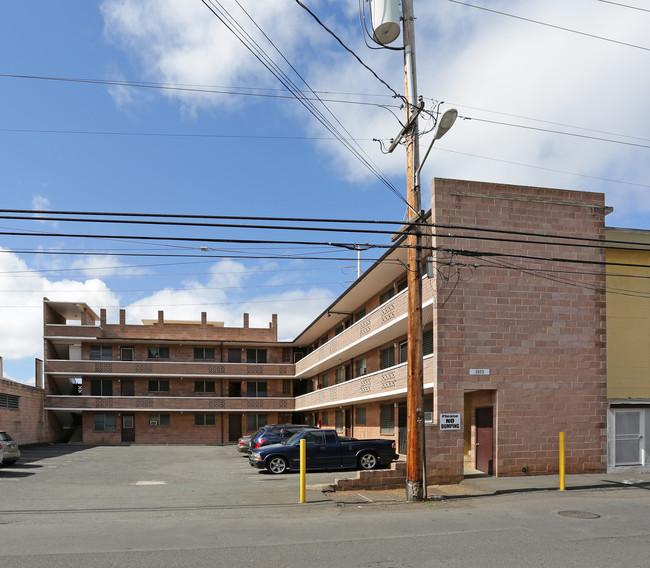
(480, 485)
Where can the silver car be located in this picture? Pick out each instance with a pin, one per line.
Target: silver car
(9, 450)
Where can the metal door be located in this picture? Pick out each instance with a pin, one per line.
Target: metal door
(484, 440)
(128, 428)
(401, 428)
(234, 427)
(627, 437)
(128, 387)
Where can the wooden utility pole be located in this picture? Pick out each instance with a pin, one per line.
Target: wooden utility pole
(415, 382)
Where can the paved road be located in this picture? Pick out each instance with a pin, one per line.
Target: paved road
(176, 506)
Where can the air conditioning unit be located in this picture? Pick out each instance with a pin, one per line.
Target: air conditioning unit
(153, 422)
(428, 417)
(363, 371)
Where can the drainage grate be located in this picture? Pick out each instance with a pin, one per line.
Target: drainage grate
(579, 515)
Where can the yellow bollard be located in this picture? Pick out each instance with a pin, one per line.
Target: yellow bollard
(303, 470)
(561, 461)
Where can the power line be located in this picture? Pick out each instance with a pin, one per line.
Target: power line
(625, 5)
(551, 25)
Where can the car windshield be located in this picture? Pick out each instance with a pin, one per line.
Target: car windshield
(293, 440)
(5, 437)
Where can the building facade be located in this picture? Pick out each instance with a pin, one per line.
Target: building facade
(628, 350)
(513, 340)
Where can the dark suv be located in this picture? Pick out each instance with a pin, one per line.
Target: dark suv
(276, 433)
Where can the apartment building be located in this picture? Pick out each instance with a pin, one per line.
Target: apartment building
(161, 381)
(628, 350)
(513, 340)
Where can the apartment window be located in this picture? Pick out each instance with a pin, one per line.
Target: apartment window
(427, 342)
(159, 420)
(234, 355)
(340, 375)
(402, 285)
(360, 366)
(323, 340)
(387, 357)
(361, 416)
(255, 355)
(403, 352)
(158, 386)
(204, 386)
(127, 354)
(101, 387)
(256, 389)
(387, 295)
(387, 424)
(324, 380)
(101, 353)
(360, 314)
(205, 420)
(256, 421)
(158, 352)
(105, 422)
(9, 401)
(339, 420)
(204, 353)
(339, 329)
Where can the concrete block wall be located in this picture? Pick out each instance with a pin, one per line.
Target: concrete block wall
(540, 333)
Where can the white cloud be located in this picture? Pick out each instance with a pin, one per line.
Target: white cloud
(40, 203)
(472, 58)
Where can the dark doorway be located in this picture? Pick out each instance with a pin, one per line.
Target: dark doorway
(128, 387)
(234, 427)
(128, 427)
(348, 421)
(401, 428)
(234, 389)
(484, 440)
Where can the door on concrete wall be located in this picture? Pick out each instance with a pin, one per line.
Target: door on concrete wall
(234, 427)
(628, 428)
(484, 440)
(128, 428)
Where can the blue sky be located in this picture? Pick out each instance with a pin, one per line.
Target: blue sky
(520, 81)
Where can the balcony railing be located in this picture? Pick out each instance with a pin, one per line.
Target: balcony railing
(160, 368)
(159, 403)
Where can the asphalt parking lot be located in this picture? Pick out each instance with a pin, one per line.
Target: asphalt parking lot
(76, 477)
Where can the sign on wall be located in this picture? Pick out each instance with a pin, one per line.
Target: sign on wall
(450, 421)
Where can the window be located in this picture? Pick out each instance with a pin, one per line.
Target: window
(101, 353)
(387, 357)
(361, 416)
(324, 381)
(403, 352)
(234, 355)
(427, 342)
(204, 386)
(205, 420)
(159, 420)
(323, 340)
(402, 285)
(339, 420)
(9, 401)
(360, 314)
(105, 422)
(158, 386)
(315, 439)
(255, 355)
(158, 352)
(325, 418)
(126, 354)
(387, 425)
(387, 295)
(256, 421)
(256, 389)
(101, 387)
(206, 353)
(360, 366)
(339, 329)
(340, 375)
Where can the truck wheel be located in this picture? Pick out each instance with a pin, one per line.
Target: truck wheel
(368, 460)
(277, 465)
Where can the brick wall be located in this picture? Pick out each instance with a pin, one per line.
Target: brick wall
(25, 425)
(540, 333)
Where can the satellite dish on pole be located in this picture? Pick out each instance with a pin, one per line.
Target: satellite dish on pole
(386, 17)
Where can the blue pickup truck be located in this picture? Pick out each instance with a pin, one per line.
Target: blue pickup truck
(325, 451)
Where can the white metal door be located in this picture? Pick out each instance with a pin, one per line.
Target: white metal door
(628, 428)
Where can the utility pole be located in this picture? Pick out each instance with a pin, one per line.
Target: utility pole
(415, 380)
